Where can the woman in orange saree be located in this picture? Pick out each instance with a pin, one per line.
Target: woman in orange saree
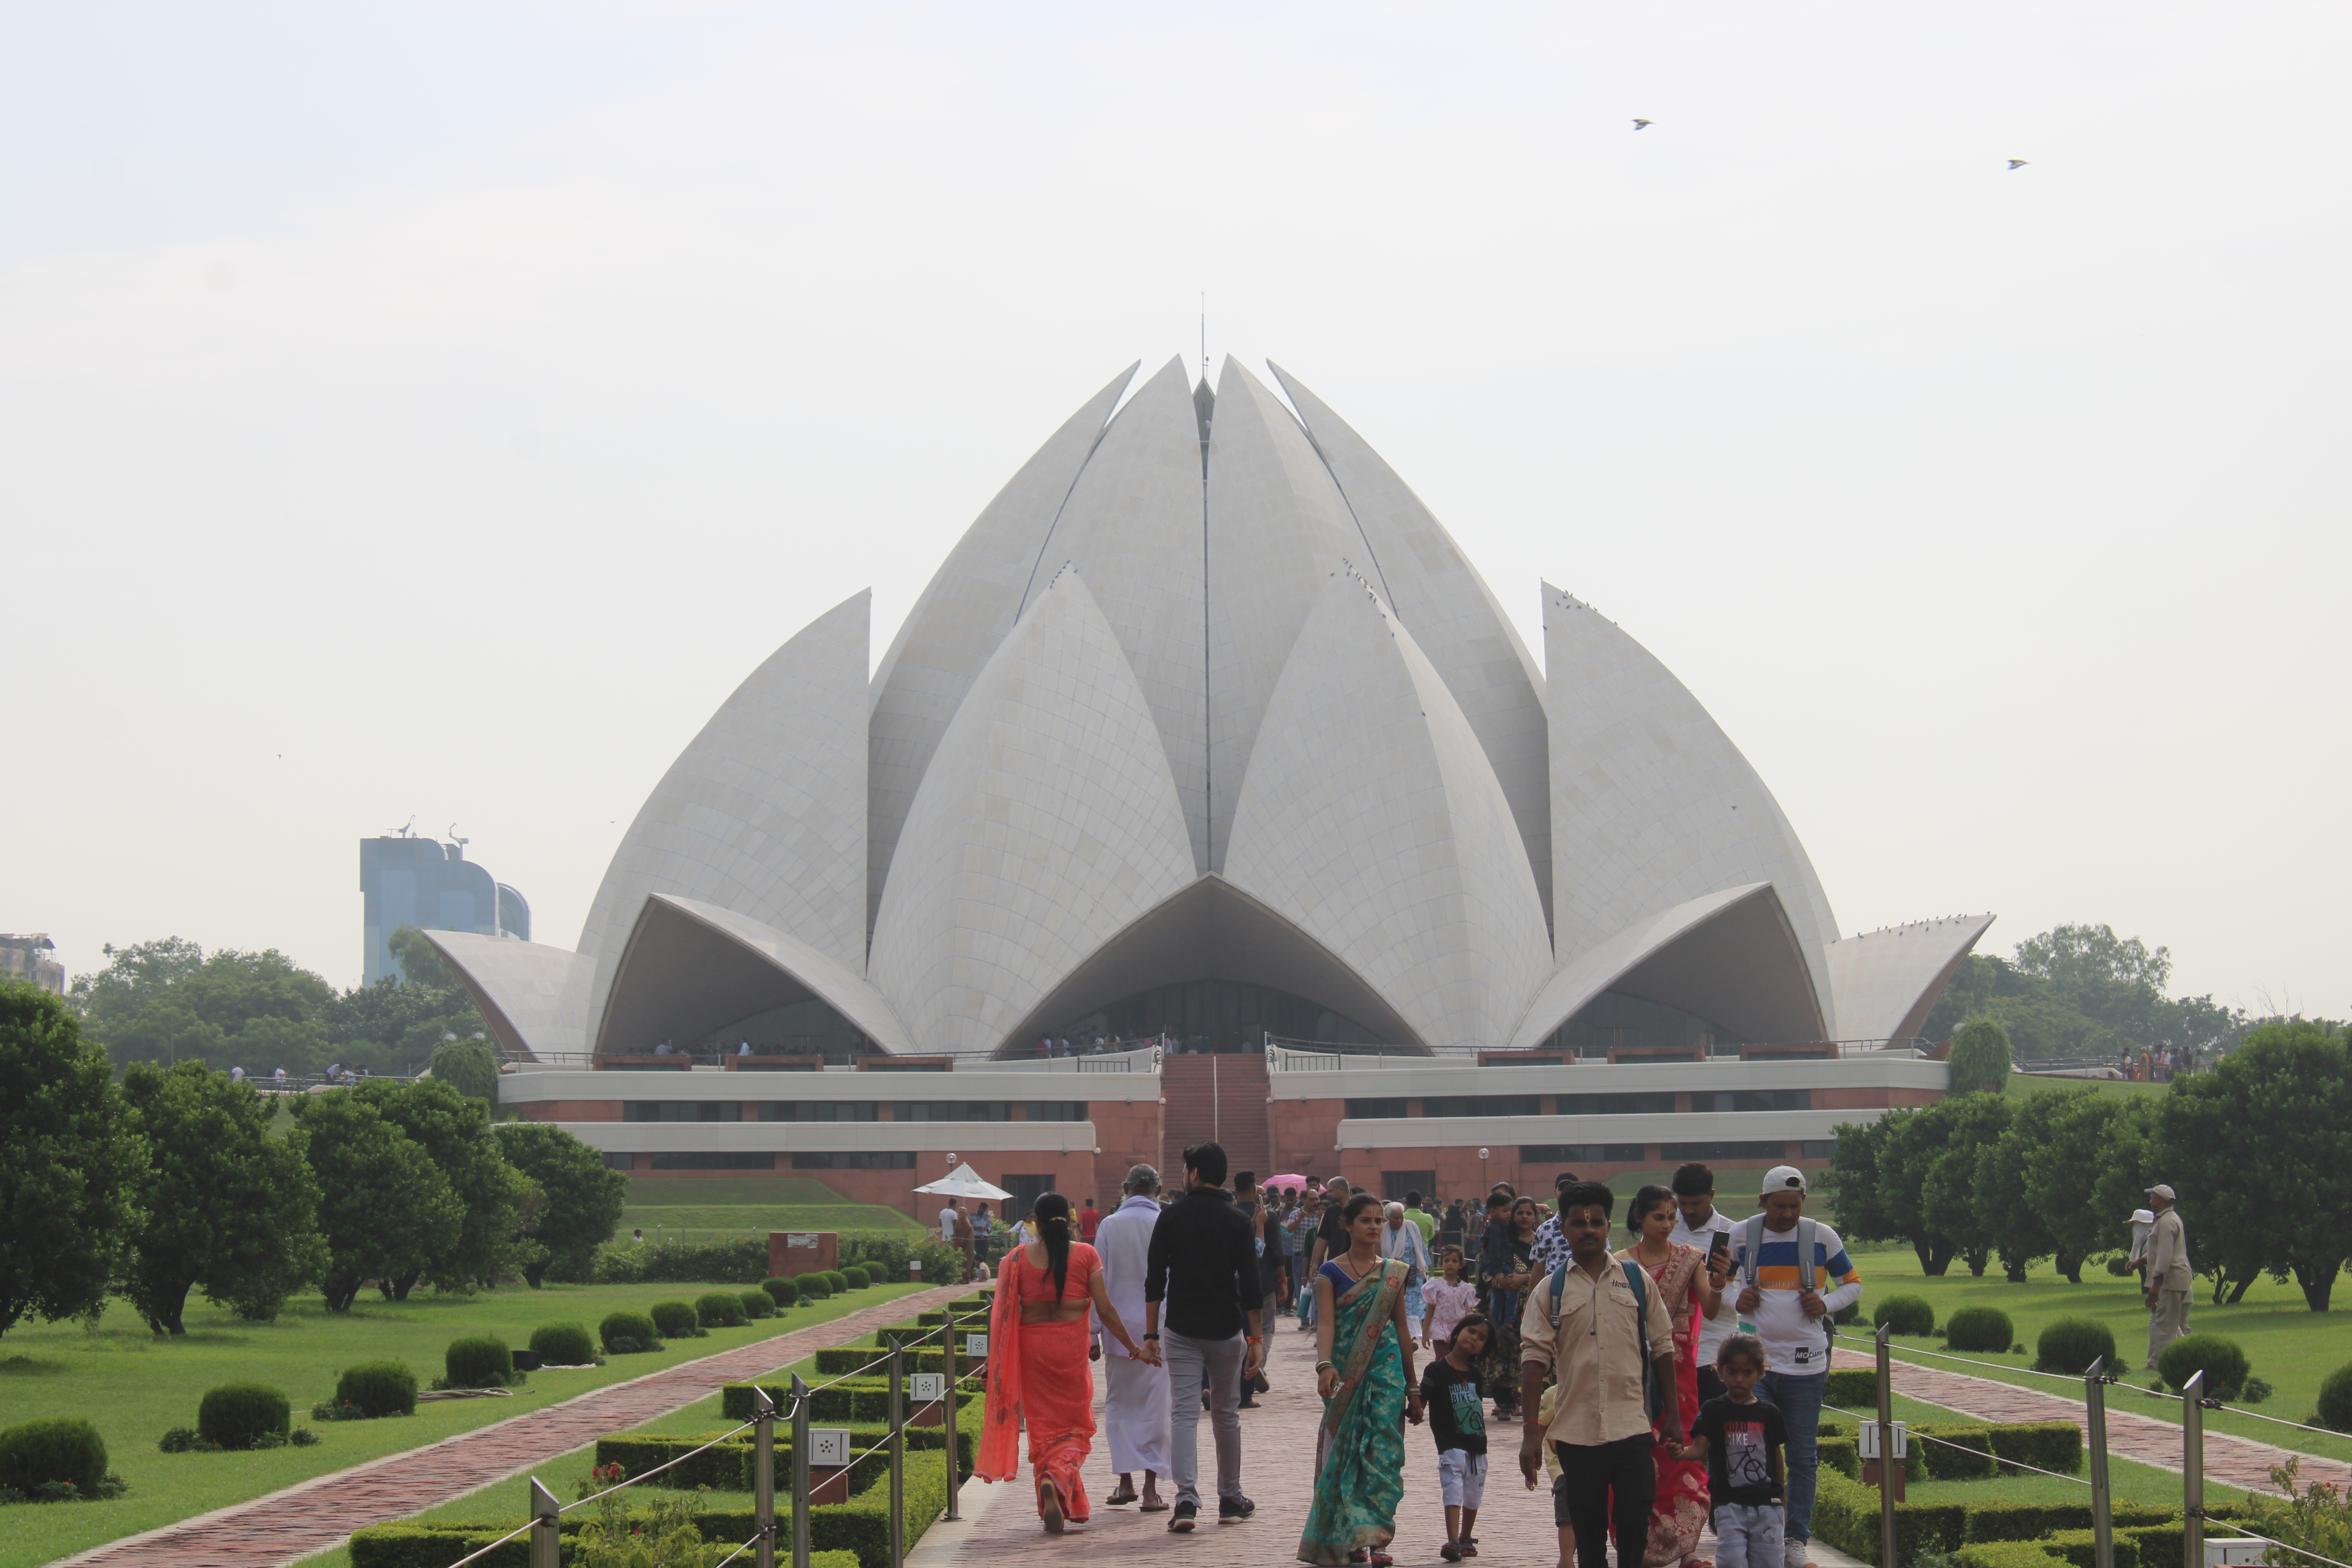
(1037, 1373)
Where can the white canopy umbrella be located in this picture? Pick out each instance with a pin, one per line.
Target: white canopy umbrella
(963, 1181)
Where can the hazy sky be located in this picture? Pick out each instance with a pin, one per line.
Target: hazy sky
(438, 409)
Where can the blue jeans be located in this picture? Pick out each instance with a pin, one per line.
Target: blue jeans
(1799, 1399)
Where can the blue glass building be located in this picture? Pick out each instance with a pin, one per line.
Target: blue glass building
(410, 881)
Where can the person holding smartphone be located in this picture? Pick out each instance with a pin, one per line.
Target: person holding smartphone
(1700, 1223)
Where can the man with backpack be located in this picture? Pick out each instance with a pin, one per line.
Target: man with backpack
(1598, 1327)
(1781, 1260)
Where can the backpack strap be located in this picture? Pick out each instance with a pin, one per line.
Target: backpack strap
(1559, 1277)
(1808, 1237)
(1751, 1245)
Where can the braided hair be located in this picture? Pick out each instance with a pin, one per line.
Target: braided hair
(1052, 1213)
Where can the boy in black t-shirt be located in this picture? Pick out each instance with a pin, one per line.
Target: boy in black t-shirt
(1453, 1393)
(1742, 1438)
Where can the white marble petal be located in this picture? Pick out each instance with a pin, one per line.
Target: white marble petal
(964, 611)
(764, 813)
(1133, 528)
(535, 997)
(1371, 820)
(1455, 617)
(1047, 823)
(1651, 806)
(1888, 982)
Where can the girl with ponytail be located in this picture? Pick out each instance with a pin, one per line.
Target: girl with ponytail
(1038, 1347)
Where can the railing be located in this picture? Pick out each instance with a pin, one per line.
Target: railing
(545, 1525)
(1127, 1056)
(1890, 1435)
(1283, 1055)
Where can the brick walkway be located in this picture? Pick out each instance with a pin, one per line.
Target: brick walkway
(2228, 1458)
(316, 1516)
(1001, 1525)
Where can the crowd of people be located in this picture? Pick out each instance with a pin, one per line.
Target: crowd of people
(1669, 1380)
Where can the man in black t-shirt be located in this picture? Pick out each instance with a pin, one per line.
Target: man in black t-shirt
(1454, 1395)
(1741, 1437)
(1330, 1241)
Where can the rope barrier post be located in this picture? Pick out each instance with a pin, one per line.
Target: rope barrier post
(800, 1473)
(955, 1468)
(2094, 1430)
(2192, 1472)
(1886, 1460)
(898, 1455)
(546, 1542)
(764, 1474)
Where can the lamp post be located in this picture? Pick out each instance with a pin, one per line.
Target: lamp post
(1484, 1187)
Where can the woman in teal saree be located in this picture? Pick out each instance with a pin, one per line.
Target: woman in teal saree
(1364, 1370)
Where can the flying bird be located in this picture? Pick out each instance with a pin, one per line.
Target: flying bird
(1641, 125)
(2017, 163)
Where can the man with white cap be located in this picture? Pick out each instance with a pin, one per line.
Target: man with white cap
(1780, 1260)
(2169, 1276)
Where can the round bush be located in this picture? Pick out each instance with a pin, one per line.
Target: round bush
(719, 1310)
(2222, 1363)
(2072, 1345)
(562, 1344)
(479, 1361)
(858, 1275)
(52, 1448)
(238, 1414)
(675, 1319)
(815, 1287)
(376, 1388)
(837, 1279)
(1980, 1329)
(634, 1326)
(757, 1305)
(2335, 1399)
(1908, 1314)
(783, 1293)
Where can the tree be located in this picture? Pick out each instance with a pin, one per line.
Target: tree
(166, 1001)
(469, 1067)
(1979, 1057)
(70, 1163)
(2260, 1149)
(1950, 1137)
(392, 1027)
(384, 1208)
(227, 1207)
(2087, 1173)
(2081, 990)
(2001, 1183)
(584, 1197)
(420, 962)
(454, 1129)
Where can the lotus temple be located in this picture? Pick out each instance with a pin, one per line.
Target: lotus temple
(1207, 791)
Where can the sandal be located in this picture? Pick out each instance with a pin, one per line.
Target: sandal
(1049, 1507)
(1124, 1495)
(1154, 1505)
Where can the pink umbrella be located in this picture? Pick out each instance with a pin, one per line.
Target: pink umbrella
(1298, 1181)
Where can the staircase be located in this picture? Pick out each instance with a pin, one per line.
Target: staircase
(1220, 1097)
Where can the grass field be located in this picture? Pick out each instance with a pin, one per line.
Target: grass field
(2291, 1346)
(134, 1385)
(2022, 1084)
(713, 1208)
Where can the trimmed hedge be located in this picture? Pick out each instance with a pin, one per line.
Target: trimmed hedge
(675, 1321)
(730, 1467)
(50, 1448)
(479, 1361)
(783, 1293)
(719, 1310)
(1908, 1314)
(855, 1534)
(839, 1359)
(375, 1388)
(815, 1287)
(2220, 1358)
(835, 1278)
(239, 1414)
(757, 1304)
(636, 1329)
(562, 1344)
(2008, 1555)
(1845, 1515)
(863, 1399)
(1981, 1329)
(1852, 1388)
(2080, 1547)
(2335, 1399)
(2071, 1344)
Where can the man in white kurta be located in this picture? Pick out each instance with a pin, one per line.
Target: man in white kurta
(1134, 1401)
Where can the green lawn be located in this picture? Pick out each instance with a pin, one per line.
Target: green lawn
(717, 1222)
(2287, 1343)
(2127, 1480)
(134, 1385)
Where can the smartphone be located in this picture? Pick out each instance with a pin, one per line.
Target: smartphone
(1719, 1252)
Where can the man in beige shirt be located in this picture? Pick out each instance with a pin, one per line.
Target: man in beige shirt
(1600, 1428)
(2169, 1276)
